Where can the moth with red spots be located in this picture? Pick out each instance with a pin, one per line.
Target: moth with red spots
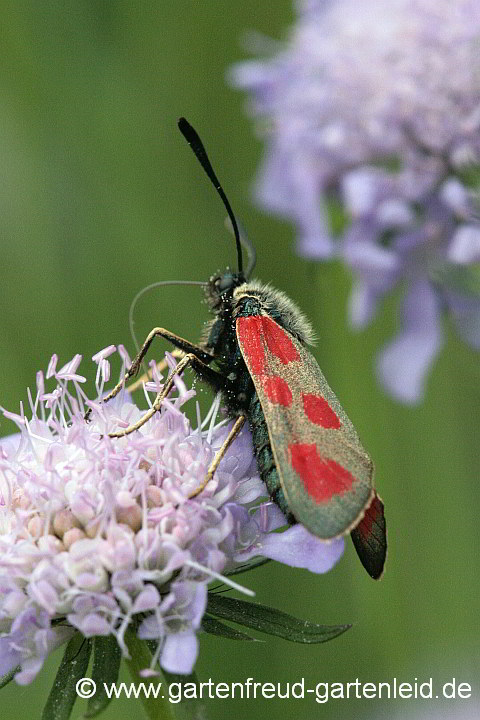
(255, 353)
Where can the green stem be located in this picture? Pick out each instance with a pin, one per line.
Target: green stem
(155, 708)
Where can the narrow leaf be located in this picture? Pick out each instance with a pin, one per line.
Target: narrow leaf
(271, 621)
(73, 667)
(106, 666)
(184, 693)
(215, 627)
(187, 689)
(249, 565)
(155, 708)
(5, 679)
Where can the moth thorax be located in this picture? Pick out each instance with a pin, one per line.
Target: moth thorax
(267, 300)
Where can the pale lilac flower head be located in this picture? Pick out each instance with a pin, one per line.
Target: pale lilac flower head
(374, 108)
(98, 534)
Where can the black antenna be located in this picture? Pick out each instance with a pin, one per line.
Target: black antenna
(192, 138)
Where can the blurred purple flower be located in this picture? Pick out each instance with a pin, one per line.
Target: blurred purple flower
(95, 531)
(376, 106)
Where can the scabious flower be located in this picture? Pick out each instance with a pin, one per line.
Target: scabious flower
(98, 534)
(375, 107)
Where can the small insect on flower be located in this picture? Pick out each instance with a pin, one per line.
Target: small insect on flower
(255, 353)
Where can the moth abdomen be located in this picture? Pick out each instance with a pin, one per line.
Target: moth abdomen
(264, 457)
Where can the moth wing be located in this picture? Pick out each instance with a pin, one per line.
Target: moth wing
(325, 473)
(370, 538)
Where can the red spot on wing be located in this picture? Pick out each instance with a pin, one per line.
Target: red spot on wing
(319, 411)
(323, 478)
(256, 332)
(277, 390)
(249, 331)
(278, 341)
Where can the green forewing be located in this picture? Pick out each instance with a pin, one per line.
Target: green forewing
(325, 473)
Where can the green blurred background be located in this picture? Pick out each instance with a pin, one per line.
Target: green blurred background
(101, 196)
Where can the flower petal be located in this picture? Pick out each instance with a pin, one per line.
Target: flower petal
(179, 653)
(464, 247)
(362, 304)
(298, 548)
(402, 366)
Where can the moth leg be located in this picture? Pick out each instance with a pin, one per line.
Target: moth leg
(234, 432)
(216, 379)
(179, 343)
(161, 366)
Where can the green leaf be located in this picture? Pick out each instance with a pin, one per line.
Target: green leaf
(106, 666)
(215, 627)
(271, 621)
(73, 667)
(5, 679)
(184, 687)
(249, 565)
(155, 708)
(188, 689)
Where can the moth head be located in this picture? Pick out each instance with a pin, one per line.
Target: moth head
(220, 289)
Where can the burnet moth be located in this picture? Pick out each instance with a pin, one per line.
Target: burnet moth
(255, 353)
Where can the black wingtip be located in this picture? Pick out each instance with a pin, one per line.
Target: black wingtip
(370, 539)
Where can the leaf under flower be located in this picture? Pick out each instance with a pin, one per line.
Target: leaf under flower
(72, 668)
(106, 666)
(214, 627)
(271, 621)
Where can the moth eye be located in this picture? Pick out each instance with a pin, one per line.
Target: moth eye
(223, 283)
